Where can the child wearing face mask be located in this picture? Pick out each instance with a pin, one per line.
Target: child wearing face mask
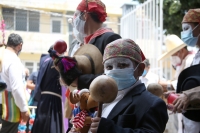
(134, 109)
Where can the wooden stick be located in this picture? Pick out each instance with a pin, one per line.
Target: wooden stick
(100, 109)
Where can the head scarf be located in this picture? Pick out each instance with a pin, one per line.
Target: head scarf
(193, 15)
(123, 48)
(94, 6)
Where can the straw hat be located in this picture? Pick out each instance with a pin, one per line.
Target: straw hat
(86, 60)
(173, 44)
(89, 59)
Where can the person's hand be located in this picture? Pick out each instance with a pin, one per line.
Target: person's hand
(95, 124)
(181, 103)
(25, 116)
(166, 94)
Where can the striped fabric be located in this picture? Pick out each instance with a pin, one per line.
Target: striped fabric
(79, 119)
(11, 112)
(99, 32)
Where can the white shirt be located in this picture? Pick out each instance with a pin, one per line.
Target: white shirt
(107, 107)
(13, 75)
(196, 58)
(75, 48)
(149, 78)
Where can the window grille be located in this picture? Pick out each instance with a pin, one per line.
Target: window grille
(21, 20)
(56, 26)
(8, 16)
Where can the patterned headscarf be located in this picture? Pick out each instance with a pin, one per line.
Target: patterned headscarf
(94, 6)
(123, 48)
(193, 15)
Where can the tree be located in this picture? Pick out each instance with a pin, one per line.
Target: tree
(173, 13)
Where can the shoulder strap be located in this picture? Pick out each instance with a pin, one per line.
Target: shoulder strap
(2, 49)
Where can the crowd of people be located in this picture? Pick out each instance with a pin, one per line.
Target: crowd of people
(61, 87)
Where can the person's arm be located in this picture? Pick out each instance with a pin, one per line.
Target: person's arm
(17, 86)
(188, 97)
(153, 121)
(30, 83)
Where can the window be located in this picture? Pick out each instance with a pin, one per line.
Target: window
(8, 16)
(56, 26)
(21, 20)
(34, 21)
(29, 65)
(56, 21)
(32, 66)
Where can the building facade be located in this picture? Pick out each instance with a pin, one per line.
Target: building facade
(41, 23)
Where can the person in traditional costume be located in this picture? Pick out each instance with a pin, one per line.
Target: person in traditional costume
(190, 94)
(86, 60)
(48, 93)
(135, 109)
(88, 20)
(181, 58)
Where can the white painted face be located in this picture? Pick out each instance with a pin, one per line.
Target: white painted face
(117, 63)
(186, 27)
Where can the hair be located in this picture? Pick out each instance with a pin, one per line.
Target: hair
(195, 23)
(185, 47)
(51, 47)
(95, 17)
(146, 62)
(67, 76)
(14, 40)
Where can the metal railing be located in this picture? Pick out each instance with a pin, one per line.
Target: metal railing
(144, 25)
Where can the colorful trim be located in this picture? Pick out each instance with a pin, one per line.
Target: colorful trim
(10, 111)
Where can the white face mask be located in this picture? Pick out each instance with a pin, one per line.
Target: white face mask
(79, 24)
(176, 61)
(78, 35)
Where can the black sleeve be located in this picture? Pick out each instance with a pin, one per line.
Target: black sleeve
(85, 80)
(111, 39)
(153, 121)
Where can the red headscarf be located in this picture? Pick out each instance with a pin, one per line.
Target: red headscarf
(94, 6)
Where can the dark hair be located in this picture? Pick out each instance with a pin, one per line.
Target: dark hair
(185, 47)
(195, 23)
(146, 62)
(95, 17)
(68, 76)
(14, 40)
